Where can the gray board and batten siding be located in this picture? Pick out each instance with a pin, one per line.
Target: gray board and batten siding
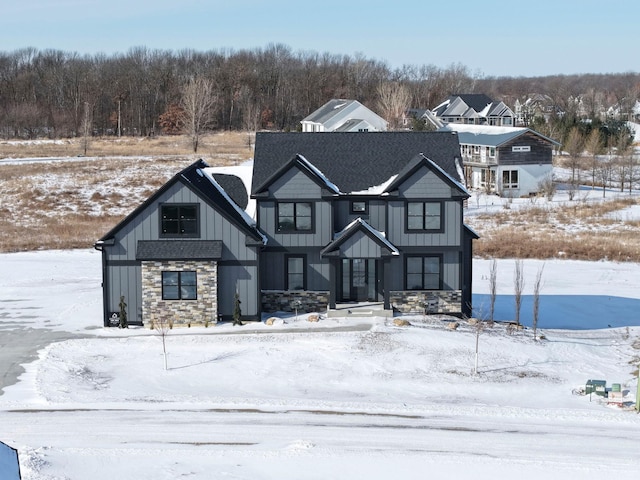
(237, 262)
(419, 170)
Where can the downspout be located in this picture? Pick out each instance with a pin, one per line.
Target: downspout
(105, 298)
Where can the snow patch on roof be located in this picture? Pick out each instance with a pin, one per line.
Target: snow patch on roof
(482, 129)
(376, 189)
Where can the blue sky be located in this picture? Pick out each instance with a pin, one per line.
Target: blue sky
(491, 37)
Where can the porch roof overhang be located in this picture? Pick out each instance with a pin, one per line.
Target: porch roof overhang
(353, 238)
(179, 250)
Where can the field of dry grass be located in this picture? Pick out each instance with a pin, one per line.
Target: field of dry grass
(70, 204)
(577, 230)
(228, 144)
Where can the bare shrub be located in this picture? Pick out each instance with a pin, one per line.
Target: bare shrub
(518, 287)
(547, 187)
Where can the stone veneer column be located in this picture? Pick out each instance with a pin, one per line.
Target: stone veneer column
(200, 311)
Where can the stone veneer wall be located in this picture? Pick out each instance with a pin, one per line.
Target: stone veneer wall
(282, 301)
(439, 301)
(180, 312)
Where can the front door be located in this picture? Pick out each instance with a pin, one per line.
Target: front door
(358, 280)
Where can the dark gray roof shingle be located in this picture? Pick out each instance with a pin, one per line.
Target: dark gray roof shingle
(179, 250)
(234, 186)
(353, 161)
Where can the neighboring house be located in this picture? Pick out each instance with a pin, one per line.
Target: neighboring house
(422, 114)
(510, 161)
(474, 109)
(356, 218)
(536, 105)
(340, 217)
(339, 115)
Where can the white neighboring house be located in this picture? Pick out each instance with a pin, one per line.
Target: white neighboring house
(339, 115)
(509, 161)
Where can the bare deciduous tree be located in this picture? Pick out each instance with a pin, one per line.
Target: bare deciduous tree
(573, 146)
(86, 127)
(199, 105)
(605, 168)
(493, 288)
(393, 101)
(518, 287)
(594, 146)
(163, 325)
(536, 301)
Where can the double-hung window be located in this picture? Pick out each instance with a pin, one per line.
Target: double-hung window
(179, 220)
(179, 286)
(424, 216)
(424, 272)
(295, 216)
(295, 272)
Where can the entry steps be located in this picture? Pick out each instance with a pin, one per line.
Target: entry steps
(363, 309)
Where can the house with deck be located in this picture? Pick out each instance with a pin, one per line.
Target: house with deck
(341, 220)
(509, 161)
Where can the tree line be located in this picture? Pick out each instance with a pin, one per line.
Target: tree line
(53, 93)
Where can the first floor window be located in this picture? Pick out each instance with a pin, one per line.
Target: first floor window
(295, 273)
(487, 177)
(294, 216)
(179, 286)
(424, 215)
(509, 179)
(424, 273)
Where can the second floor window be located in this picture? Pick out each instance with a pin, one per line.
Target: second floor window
(294, 216)
(424, 216)
(179, 220)
(359, 207)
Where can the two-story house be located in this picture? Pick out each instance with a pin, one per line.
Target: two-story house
(510, 161)
(474, 109)
(376, 217)
(340, 218)
(341, 115)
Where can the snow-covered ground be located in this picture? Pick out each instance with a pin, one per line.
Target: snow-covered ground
(300, 400)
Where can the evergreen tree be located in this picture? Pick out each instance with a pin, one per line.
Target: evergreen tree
(123, 313)
(236, 310)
